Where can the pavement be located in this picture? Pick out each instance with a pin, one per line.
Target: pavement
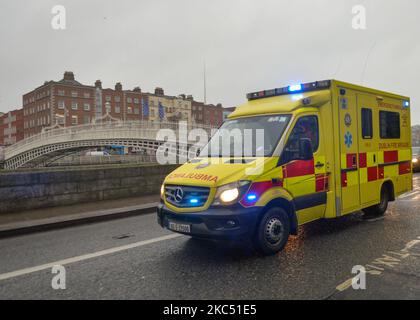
(50, 218)
(134, 258)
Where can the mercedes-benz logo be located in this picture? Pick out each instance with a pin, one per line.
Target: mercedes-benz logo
(178, 194)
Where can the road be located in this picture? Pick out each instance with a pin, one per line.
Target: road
(133, 258)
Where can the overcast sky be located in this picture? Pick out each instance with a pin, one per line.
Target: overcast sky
(247, 45)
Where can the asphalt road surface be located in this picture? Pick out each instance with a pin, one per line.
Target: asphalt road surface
(133, 258)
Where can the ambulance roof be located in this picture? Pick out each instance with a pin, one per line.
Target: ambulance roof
(287, 99)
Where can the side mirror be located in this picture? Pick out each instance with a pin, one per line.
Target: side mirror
(305, 149)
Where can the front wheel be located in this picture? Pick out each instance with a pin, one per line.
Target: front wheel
(273, 231)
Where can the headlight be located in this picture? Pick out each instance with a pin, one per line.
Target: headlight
(415, 160)
(230, 193)
(162, 191)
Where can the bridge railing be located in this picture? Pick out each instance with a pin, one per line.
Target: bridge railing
(145, 129)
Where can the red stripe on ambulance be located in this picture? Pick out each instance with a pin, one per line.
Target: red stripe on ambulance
(404, 167)
(321, 182)
(390, 156)
(372, 173)
(299, 168)
(351, 160)
(362, 160)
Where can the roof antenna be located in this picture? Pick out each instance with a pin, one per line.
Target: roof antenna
(205, 84)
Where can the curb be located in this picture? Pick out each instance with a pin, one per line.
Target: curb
(25, 227)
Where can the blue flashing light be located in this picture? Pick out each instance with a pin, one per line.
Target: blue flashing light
(296, 97)
(194, 201)
(251, 197)
(295, 87)
(406, 104)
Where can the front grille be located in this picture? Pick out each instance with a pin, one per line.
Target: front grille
(186, 196)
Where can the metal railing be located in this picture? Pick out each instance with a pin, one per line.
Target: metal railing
(107, 130)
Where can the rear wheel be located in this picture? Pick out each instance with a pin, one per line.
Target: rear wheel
(379, 209)
(273, 231)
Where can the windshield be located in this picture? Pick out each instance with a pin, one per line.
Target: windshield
(416, 151)
(251, 137)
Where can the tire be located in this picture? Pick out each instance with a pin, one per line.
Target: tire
(273, 231)
(379, 209)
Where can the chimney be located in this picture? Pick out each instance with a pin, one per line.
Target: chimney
(136, 89)
(98, 84)
(159, 91)
(182, 96)
(118, 86)
(69, 75)
(190, 97)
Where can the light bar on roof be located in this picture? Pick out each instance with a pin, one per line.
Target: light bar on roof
(295, 87)
(311, 86)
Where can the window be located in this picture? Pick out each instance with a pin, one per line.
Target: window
(86, 119)
(389, 125)
(136, 100)
(222, 143)
(136, 111)
(74, 94)
(108, 98)
(129, 100)
(86, 106)
(117, 98)
(367, 128)
(117, 109)
(305, 127)
(74, 120)
(60, 120)
(74, 105)
(129, 110)
(60, 92)
(86, 95)
(61, 105)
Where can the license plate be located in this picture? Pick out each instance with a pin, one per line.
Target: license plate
(186, 228)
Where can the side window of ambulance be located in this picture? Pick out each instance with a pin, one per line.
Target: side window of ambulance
(305, 127)
(389, 125)
(367, 127)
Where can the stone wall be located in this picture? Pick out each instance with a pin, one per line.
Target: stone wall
(47, 188)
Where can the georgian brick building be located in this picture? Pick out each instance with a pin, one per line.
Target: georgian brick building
(207, 114)
(11, 127)
(68, 102)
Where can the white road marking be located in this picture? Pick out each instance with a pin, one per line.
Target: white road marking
(385, 260)
(21, 272)
(409, 194)
(345, 285)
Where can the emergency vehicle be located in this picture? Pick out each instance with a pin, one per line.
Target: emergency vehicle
(330, 149)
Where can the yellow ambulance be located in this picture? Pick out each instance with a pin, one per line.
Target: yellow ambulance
(329, 148)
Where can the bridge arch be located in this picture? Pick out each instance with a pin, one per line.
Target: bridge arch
(131, 134)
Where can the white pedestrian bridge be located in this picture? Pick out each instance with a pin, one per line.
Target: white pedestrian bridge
(55, 141)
